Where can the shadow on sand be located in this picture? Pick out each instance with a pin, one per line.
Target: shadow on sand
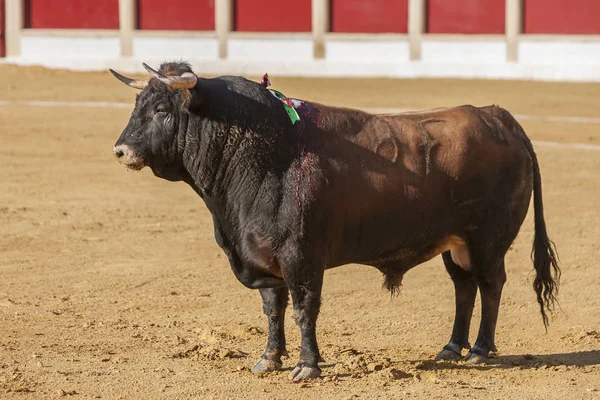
(526, 361)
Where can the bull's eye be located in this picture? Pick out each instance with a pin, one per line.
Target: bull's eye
(162, 115)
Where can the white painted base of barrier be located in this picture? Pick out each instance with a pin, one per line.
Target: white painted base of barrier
(539, 60)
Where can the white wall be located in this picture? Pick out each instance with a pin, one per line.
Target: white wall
(48, 47)
(538, 59)
(173, 48)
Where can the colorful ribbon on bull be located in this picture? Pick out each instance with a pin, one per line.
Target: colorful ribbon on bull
(287, 102)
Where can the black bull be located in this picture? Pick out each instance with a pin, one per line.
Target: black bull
(343, 186)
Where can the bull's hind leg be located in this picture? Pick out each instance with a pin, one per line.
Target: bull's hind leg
(465, 289)
(274, 303)
(490, 281)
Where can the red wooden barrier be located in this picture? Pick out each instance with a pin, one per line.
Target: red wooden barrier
(562, 16)
(374, 16)
(273, 15)
(72, 14)
(2, 37)
(466, 16)
(179, 15)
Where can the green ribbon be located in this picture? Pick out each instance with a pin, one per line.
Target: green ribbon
(291, 111)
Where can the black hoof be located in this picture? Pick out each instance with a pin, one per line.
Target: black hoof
(476, 358)
(448, 355)
(450, 352)
(304, 372)
(265, 365)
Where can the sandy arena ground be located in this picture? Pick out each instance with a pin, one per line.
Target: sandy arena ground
(112, 286)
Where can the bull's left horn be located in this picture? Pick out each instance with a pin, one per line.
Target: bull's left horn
(134, 83)
(187, 80)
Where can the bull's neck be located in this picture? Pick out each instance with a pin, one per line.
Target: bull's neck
(227, 159)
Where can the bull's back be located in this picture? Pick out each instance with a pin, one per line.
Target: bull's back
(410, 153)
(462, 140)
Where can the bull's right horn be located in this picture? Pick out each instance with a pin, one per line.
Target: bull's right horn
(134, 83)
(151, 71)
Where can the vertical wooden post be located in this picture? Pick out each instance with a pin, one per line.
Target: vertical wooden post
(417, 14)
(127, 24)
(223, 24)
(513, 28)
(320, 25)
(12, 29)
(2, 20)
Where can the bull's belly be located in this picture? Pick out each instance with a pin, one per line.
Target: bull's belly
(404, 257)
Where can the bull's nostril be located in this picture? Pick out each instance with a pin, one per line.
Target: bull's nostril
(118, 153)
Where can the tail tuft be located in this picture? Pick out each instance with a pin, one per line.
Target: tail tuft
(543, 253)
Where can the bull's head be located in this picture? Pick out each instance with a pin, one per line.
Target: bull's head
(151, 136)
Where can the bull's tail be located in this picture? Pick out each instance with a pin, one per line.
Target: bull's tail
(543, 253)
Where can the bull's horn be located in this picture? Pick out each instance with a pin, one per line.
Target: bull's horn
(134, 83)
(155, 74)
(187, 80)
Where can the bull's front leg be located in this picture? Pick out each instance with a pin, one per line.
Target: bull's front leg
(275, 301)
(304, 283)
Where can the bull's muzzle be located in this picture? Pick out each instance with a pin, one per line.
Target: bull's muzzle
(127, 157)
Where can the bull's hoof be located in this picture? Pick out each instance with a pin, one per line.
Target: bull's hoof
(304, 372)
(448, 355)
(265, 365)
(474, 358)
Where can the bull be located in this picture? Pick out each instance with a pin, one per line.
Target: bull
(290, 199)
